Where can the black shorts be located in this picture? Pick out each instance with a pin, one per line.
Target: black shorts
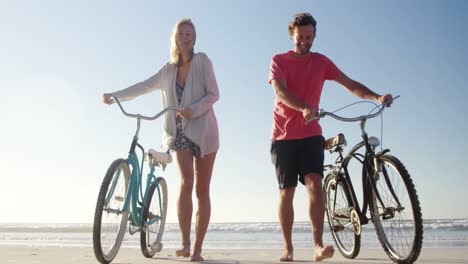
(297, 157)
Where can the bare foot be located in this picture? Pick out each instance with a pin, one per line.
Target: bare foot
(183, 252)
(287, 256)
(196, 257)
(322, 253)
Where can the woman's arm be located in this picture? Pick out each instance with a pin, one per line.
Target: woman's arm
(151, 84)
(212, 92)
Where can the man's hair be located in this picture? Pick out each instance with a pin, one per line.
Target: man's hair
(302, 19)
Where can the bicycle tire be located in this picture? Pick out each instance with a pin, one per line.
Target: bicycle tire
(401, 236)
(106, 248)
(151, 236)
(348, 242)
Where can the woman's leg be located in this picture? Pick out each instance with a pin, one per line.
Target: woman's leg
(184, 203)
(203, 171)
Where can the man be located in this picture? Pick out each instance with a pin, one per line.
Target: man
(297, 150)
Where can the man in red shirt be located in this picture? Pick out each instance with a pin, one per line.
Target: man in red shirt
(297, 150)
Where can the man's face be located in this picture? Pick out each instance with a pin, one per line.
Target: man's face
(303, 37)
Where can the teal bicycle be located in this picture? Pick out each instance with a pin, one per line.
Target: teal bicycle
(125, 196)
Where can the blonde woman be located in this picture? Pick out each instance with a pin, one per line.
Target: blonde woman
(187, 81)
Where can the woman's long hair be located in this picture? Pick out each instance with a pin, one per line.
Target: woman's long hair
(175, 54)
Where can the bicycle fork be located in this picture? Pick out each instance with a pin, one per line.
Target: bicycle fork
(378, 169)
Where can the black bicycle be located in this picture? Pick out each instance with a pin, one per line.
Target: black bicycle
(388, 193)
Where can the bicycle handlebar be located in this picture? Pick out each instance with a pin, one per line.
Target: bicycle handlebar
(141, 116)
(321, 114)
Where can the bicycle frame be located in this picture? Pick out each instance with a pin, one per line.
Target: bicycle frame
(135, 189)
(135, 195)
(369, 184)
(369, 171)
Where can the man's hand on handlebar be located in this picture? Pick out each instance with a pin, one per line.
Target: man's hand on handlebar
(309, 112)
(388, 98)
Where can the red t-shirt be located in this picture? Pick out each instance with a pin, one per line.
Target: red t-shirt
(304, 79)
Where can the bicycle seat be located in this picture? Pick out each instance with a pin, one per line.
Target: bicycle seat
(335, 141)
(161, 157)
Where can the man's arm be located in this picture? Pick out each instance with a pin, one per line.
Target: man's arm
(279, 86)
(360, 90)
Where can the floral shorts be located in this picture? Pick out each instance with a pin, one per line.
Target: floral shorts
(181, 141)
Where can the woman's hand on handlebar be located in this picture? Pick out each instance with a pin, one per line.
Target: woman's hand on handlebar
(106, 98)
(388, 98)
(185, 112)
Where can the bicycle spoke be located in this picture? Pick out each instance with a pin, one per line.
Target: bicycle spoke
(348, 225)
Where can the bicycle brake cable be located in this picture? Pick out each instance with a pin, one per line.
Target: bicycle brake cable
(376, 106)
(360, 102)
(381, 124)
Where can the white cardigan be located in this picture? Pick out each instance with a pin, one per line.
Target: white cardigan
(200, 93)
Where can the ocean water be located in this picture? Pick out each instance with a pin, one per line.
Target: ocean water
(437, 233)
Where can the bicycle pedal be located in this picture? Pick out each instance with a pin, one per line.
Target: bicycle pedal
(157, 247)
(133, 229)
(152, 216)
(338, 228)
(388, 216)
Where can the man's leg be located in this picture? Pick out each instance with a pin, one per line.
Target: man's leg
(286, 217)
(313, 182)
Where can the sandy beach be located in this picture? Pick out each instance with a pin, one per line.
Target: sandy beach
(52, 255)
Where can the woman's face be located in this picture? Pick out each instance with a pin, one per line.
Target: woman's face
(185, 38)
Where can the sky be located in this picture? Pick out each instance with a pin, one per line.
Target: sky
(57, 138)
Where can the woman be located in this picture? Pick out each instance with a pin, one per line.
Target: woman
(187, 81)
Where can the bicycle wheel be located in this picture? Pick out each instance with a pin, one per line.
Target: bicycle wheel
(155, 217)
(109, 220)
(337, 198)
(399, 227)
